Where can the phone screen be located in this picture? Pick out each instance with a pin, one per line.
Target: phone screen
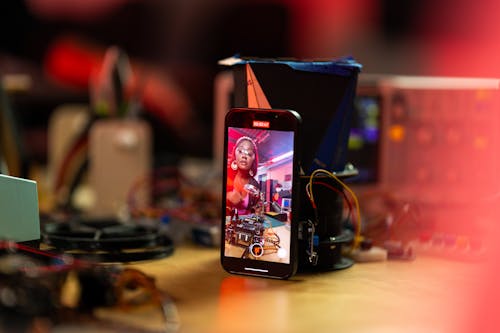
(259, 188)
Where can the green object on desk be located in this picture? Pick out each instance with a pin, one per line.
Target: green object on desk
(19, 215)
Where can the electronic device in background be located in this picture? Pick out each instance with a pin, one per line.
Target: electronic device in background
(254, 243)
(430, 143)
(19, 215)
(120, 157)
(286, 204)
(364, 144)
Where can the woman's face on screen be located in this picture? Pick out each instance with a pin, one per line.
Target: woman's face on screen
(245, 155)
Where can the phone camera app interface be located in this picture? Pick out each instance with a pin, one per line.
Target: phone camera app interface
(258, 194)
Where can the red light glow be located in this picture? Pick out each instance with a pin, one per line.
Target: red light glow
(260, 124)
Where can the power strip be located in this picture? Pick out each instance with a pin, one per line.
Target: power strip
(449, 246)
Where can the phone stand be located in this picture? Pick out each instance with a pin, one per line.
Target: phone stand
(321, 232)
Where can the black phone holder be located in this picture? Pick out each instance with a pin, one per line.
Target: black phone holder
(322, 236)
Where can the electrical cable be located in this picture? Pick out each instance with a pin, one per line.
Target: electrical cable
(310, 194)
(72, 165)
(346, 199)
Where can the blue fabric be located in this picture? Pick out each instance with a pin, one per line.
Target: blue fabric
(345, 66)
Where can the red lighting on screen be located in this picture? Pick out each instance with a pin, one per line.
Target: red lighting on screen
(260, 124)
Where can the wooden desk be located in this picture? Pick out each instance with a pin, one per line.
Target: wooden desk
(425, 295)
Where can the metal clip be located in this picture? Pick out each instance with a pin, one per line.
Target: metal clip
(313, 255)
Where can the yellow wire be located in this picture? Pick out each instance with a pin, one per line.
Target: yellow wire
(357, 236)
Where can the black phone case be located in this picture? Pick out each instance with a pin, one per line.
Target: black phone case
(253, 120)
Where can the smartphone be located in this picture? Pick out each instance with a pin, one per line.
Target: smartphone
(260, 192)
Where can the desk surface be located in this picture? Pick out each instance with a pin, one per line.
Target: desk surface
(425, 295)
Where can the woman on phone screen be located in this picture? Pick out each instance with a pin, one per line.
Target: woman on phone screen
(242, 188)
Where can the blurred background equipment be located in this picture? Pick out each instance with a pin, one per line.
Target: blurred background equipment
(427, 171)
(13, 155)
(108, 240)
(19, 214)
(425, 147)
(120, 154)
(60, 293)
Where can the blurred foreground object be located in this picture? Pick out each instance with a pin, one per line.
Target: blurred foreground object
(81, 64)
(62, 293)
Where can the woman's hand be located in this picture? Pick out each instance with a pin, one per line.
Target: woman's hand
(234, 197)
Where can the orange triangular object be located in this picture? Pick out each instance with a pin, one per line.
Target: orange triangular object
(255, 95)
